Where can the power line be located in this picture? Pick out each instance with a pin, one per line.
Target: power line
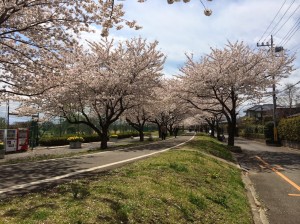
(290, 31)
(281, 18)
(287, 20)
(284, 89)
(272, 21)
(292, 34)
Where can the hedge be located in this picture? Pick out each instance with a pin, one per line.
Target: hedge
(56, 141)
(289, 129)
(53, 141)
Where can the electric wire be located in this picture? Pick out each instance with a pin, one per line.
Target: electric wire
(268, 97)
(281, 18)
(292, 34)
(290, 31)
(286, 20)
(272, 20)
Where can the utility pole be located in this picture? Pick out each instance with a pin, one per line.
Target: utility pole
(7, 105)
(277, 49)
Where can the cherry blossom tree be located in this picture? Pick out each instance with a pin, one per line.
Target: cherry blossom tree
(34, 33)
(167, 110)
(100, 84)
(138, 116)
(231, 76)
(204, 112)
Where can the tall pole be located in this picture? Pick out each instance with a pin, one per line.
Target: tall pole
(273, 87)
(7, 125)
(274, 99)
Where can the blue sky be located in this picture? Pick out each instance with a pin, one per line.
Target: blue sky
(183, 28)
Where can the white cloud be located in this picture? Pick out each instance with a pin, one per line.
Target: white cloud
(183, 28)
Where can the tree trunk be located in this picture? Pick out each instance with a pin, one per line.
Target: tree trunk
(159, 130)
(141, 133)
(218, 131)
(231, 130)
(171, 130)
(212, 128)
(104, 138)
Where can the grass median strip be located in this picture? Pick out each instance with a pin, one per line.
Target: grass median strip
(178, 186)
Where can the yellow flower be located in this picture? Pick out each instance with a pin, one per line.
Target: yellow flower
(75, 139)
(1, 145)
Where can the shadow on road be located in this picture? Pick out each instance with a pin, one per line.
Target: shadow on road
(286, 160)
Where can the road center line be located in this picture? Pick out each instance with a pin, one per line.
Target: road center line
(278, 173)
(21, 186)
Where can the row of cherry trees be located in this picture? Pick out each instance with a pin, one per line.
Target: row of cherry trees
(111, 80)
(108, 81)
(42, 60)
(222, 81)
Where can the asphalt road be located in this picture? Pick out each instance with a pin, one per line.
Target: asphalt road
(275, 173)
(26, 177)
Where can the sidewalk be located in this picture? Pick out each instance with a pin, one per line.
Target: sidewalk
(61, 150)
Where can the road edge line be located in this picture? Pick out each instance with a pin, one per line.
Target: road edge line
(21, 186)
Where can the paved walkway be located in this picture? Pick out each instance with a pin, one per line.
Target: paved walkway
(61, 150)
(25, 177)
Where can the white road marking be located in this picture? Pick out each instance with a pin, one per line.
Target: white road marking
(21, 186)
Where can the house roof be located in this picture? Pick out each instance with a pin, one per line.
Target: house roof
(264, 107)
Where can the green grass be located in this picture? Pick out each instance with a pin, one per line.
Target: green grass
(178, 186)
(211, 146)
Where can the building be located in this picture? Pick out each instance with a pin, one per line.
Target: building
(260, 112)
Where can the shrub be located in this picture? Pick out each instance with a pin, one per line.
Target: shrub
(269, 131)
(53, 141)
(252, 131)
(127, 135)
(289, 129)
(56, 141)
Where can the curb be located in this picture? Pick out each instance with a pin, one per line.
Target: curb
(258, 212)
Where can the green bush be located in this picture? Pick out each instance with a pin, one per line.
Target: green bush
(252, 131)
(53, 141)
(127, 135)
(289, 129)
(56, 141)
(269, 132)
